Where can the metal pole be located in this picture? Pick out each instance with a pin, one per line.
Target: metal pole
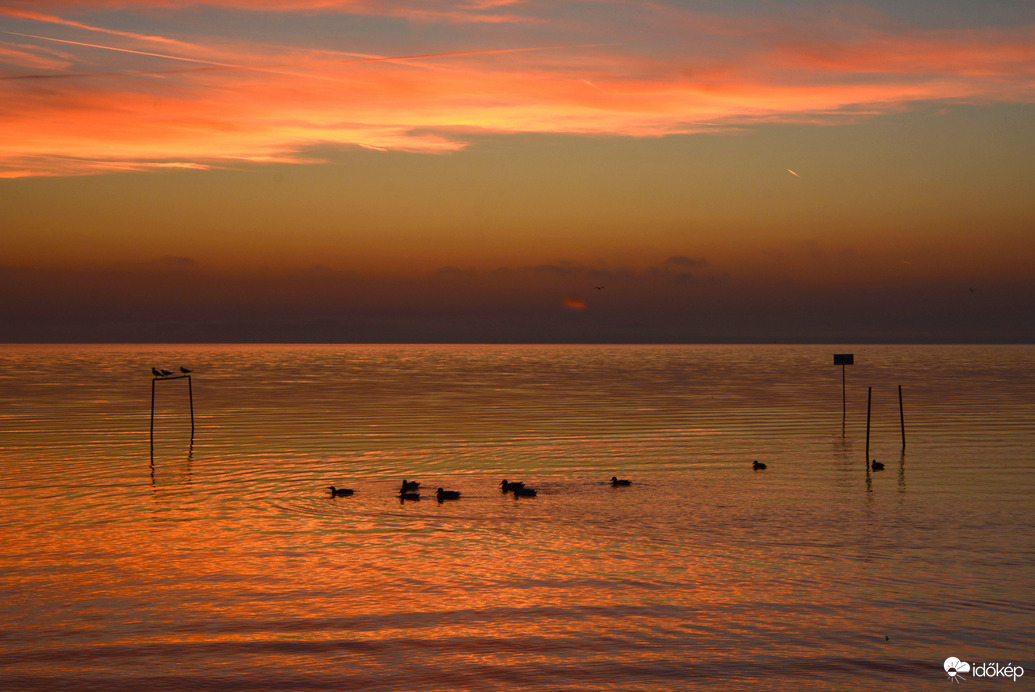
(869, 398)
(190, 394)
(153, 415)
(901, 417)
(843, 405)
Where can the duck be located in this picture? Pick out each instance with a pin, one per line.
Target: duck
(876, 465)
(340, 492)
(616, 482)
(507, 486)
(409, 485)
(447, 494)
(757, 465)
(404, 495)
(524, 492)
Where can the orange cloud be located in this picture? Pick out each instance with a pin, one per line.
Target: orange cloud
(125, 104)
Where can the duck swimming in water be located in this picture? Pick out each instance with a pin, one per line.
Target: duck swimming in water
(616, 482)
(876, 465)
(757, 465)
(340, 492)
(447, 494)
(508, 486)
(409, 485)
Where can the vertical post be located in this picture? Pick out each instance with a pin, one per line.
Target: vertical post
(153, 415)
(901, 417)
(844, 409)
(190, 394)
(869, 398)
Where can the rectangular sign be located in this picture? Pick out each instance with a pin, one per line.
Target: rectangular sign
(844, 359)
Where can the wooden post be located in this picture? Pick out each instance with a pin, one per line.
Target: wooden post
(190, 393)
(869, 398)
(901, 417)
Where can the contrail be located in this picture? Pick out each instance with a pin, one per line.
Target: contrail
(54, 19)
(127, 50)
(276, 69)
(793, 173)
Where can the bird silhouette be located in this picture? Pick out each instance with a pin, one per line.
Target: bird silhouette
(156, 372)
(447, 494)
(757, 465)
(166, 373)
(876, 465)
(507, 486)
(340, 492)
(185, 370)
(409, 485)
(615, 481)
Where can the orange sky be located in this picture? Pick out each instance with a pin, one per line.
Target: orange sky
(782, 148)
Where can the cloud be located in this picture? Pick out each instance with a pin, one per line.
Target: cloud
(141, 100)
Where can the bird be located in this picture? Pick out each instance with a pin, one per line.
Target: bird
(165, 373)
(447, 494)
(409, 485)
(615, 481)
(757, 465)
(524, 492)
(185, 370)
(507, 486)
(340, 492)
(600, 288)
(876, 465)
(156, 372)
(404, 495)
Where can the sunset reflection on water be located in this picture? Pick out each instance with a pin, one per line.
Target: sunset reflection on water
(225, 561)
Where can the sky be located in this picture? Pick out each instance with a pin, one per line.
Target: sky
(517, 171)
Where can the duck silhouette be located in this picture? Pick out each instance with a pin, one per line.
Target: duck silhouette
(757, 465)
(340, 492)
(508, 486)
(447, 494)
(616, 482)
(876, 465)
(409, 485)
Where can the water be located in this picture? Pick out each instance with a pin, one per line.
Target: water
(222, 561)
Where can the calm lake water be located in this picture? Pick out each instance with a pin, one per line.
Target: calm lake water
(222, 562)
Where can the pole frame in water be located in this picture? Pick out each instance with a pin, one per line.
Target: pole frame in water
(190, 395)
